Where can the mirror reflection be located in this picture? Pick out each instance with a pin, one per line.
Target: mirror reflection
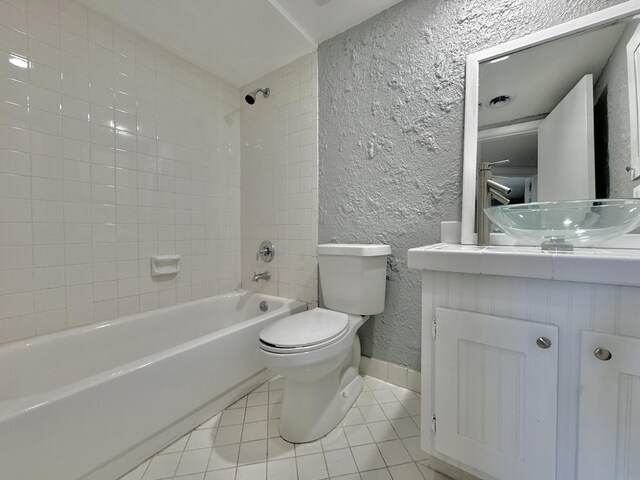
(563, 113)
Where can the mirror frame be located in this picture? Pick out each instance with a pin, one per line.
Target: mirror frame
(470, 160)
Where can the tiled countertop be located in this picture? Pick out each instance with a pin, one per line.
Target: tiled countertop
(587, 265)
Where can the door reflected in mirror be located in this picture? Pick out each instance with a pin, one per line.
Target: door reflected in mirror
(563, 113)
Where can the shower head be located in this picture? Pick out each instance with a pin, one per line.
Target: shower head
(251, 97)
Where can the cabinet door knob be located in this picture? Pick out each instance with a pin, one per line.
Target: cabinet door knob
(602, 354)
(543, 342)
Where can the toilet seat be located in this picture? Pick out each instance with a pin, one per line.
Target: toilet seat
(306, 331)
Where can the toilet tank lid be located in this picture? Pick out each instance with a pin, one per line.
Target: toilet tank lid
(354, 249)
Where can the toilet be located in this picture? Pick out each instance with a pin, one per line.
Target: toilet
(318, 351)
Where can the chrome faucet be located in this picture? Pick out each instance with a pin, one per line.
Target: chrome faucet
(488, 189)
(261, 276)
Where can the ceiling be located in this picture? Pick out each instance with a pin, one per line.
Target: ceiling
(539, 77)
(239, 40)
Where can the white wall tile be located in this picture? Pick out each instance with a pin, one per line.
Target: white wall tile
(80, 176)
(279, 183)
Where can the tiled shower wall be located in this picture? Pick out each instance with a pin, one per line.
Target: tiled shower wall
(280, 180)
(112, 150)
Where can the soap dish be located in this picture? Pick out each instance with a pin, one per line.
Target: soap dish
(165, 265)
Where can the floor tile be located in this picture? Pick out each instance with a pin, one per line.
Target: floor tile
(412, 406)
(256, 414)
(277, 448)
(228, 474)
(429, 474)
(212, 422)
(382, 474)
(262, 388)
(394, 452)
(201, 439)
(408, 471)
(232, 417)
(194, 461)
(402, 393)
(375, 383)
(405, 427)
(253, 452)
(358, 435)
(228, 435)
(353, 417)
(340, 462)
(384, 396)
(366, 398)
(257, 398)
(275, 396)
(273, 428)
(284, 469)
(394, 410)
(334, 440)
(311, 467)
(412, 445)
(372, 413)
(257, 471)
(382, 431)
(255, 431)
(239, 404)
(379, 439)
(177, 446)
(162, 466)
(274, 410)
(308, 448)
(224, 457)
(367, 457)
(193, 476)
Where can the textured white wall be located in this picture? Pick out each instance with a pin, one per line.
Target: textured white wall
(280, 180)
(111, 150)
(391, 125)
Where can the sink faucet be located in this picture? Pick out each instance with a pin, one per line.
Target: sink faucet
(488, 189)
(261, 276)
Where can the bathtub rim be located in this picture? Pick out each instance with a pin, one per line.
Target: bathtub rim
(37, 339)
(13, 407)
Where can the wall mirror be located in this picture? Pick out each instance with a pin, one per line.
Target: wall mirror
(562, 105)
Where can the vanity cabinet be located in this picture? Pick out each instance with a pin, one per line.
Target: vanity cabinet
(500, 407)
(609, 430)
(497, 393)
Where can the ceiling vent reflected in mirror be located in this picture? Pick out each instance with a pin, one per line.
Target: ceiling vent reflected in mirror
(499, 101)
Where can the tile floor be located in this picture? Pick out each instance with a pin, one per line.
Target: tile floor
(377, 440)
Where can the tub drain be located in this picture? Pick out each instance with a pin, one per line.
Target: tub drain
(264, 306)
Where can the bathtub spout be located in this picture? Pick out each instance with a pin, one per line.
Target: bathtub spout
(261, 276)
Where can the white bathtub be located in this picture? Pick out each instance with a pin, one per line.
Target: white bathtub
(92, 402)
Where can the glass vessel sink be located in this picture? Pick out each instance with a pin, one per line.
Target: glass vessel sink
(567, 224)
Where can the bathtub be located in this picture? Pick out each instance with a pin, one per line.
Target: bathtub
(93, 402)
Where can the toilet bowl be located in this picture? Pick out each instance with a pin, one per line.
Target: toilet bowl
(318, 351)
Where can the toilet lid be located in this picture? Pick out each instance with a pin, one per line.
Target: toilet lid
(305, 329)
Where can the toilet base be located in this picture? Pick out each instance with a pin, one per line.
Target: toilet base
(310, 411)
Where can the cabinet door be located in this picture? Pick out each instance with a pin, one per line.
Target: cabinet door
(609, 438)
(496, 394)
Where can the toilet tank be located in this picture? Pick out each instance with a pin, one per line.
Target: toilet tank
(353, 277)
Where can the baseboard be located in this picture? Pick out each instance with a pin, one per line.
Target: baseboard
(128, 461)
(390, 372)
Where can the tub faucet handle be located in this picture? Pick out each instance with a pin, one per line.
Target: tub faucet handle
(266, 251)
